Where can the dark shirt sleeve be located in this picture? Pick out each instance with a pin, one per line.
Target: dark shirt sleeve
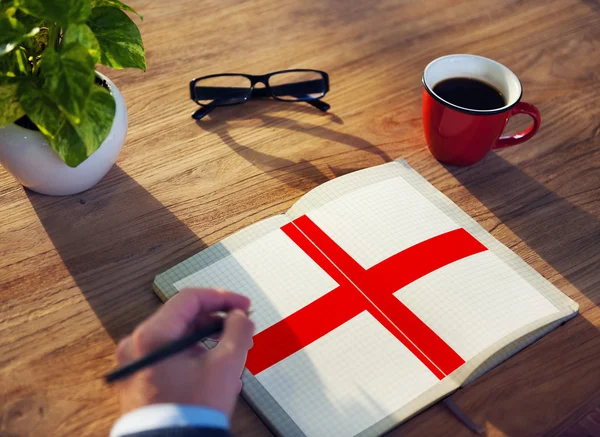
(183, 432)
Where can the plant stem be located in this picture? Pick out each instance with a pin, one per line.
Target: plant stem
(53, 35)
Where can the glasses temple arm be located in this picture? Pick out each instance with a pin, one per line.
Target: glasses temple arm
(203, 111)
(319, 104)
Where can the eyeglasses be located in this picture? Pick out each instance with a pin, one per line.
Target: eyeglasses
(234, 89)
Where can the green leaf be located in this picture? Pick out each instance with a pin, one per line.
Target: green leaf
(115, 4)
(73, 143)
(69, 146)
(11, 107)
(96, 120)
(41, 109)
(83, 35)
(29, 21)
(12, 32)
(14, 64)
(8, 7)
(68, 77)
(63, 12)
(119, 38)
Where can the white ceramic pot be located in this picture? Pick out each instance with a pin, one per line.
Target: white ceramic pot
(26, 154)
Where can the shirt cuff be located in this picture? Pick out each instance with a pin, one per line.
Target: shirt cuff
(168, 416)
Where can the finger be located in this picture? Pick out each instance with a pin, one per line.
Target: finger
(183, 309)
(180, 314)
(217, 337)
(125, 352)
(205, 321)
(236, 338)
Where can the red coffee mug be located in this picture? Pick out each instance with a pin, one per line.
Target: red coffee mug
(462, 136)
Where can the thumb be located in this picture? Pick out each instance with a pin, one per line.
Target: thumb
(237, 335)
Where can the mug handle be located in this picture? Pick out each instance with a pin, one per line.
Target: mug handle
(521, 137)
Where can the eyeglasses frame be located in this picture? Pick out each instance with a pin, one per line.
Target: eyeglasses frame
(264, 79)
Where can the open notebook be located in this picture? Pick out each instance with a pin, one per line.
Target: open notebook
(374, 296)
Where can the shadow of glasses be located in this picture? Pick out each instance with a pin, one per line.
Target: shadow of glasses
(302, 174)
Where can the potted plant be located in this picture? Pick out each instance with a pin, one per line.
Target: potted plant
(62, 124)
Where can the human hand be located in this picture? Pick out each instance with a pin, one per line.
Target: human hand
(197, 376)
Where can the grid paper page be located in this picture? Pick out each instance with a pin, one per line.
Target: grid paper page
(273, 272)
(380, 220)
(164, 284)
(349, 183)
(521, 338)
(261, 398)
(347, 380)
(471, 304)
(475, 302)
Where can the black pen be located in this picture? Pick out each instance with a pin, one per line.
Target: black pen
(166, 351)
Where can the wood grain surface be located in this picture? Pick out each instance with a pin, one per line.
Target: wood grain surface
(75, 272)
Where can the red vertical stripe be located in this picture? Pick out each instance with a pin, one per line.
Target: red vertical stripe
(314, 252)
(311, 322)
(361, 290)
(379, 282)
(433, 352)
(335, 253)
(403, 338)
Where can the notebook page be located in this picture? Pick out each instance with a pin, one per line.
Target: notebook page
(331, 385)
(163, 284)
(510, 343)
(333, 380)
(527, 334)
(471, 303)
(348, 380)
(272, 271)
(316, 362)
(380, 220)
(345, 184)
(480, 300)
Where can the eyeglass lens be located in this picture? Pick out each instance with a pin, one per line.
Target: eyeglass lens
(222, 90)
(289, 86)
(297, 85)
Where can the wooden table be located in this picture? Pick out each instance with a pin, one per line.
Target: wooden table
(76, 271)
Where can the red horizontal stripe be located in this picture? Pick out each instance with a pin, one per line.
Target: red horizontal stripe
(303, 327)
(399, 270)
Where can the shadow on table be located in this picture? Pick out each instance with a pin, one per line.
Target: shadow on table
(565, 235)
(593, 4)
(114, 239)
(550, 378)
(301, 175)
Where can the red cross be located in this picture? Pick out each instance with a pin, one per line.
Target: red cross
(364, 290)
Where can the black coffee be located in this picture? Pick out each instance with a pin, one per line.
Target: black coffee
(470, 93)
